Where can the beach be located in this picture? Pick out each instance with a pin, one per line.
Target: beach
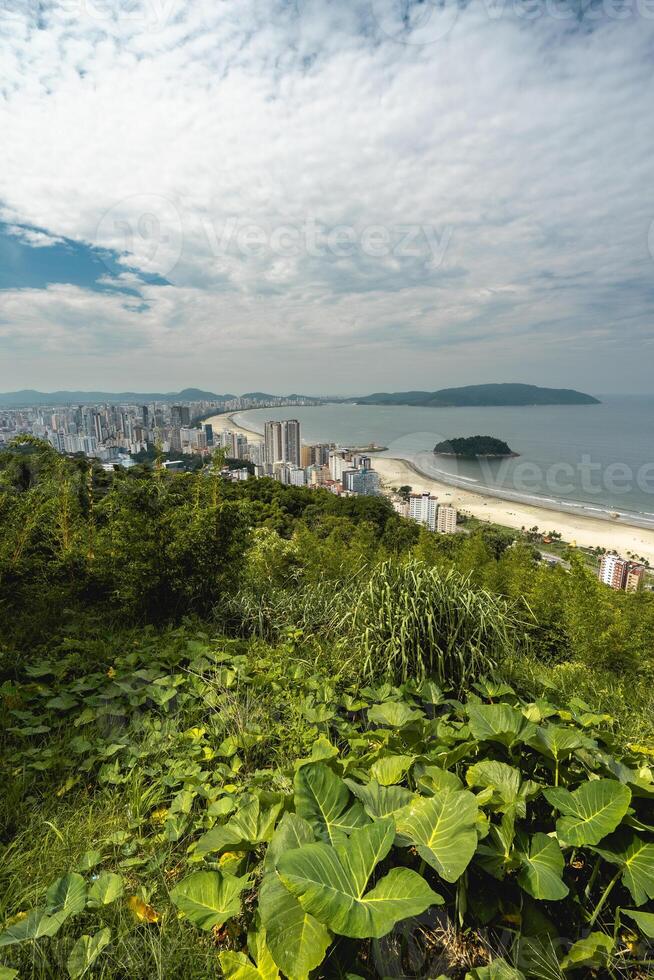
(586, 532)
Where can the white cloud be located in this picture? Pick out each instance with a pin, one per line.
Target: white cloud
(181, 135)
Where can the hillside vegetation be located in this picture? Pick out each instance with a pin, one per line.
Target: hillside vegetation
(482, 395)
(258, 731)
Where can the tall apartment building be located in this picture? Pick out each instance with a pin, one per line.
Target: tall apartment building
(446, 519)
(620, 574)
(282, 442)
(423, 507)
(272, 439)
(180, 415)
(291, 442)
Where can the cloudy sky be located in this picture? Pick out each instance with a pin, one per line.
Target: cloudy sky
(326, 196)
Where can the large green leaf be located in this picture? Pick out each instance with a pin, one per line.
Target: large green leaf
(238, 966)
(252, 825)
(542, 868)
(6, 973)
(442, 828)
(393, 714)
(34, 926)
(644, 921)
(66, 896)
(591, 812)
(556, 742)
(433, 779)
(297, 941)
(498, 723)
(105, 890)
(391, 769)
(209, 898)
(85, 952)
(636, 858)
(323, 799)
(331, 882)
(509, 792)
(590, 953)
(381, 801)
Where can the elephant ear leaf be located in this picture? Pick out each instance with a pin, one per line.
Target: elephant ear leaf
(323, 799)
(238, 966)
(381, 801)
(542, 868)
(591, 812)
(296, 940)
(636, 858)
(644, 921)
(209, 898)
(86, 951)
(330, 883)
(498, 723)
(443, 829)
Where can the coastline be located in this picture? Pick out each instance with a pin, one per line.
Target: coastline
(581, 529)
(585, 531)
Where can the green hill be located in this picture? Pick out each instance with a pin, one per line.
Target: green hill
(481, 395)
(471, 447)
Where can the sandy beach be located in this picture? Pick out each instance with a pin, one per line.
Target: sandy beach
(584, 531)
(587, 532)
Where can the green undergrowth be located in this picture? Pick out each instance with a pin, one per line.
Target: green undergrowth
(178, 805)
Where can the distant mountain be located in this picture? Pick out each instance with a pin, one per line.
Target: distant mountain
(16, 399)
(481, 395)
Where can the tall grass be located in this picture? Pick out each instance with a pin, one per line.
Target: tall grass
(318, 608)
(412, 621)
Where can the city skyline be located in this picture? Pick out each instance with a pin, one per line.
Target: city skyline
(313, 191)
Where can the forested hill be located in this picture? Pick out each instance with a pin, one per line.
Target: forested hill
(482, 395)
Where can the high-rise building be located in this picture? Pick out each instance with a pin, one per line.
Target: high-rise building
(291, 442)
(620, 574)
(613, 571)
(180, 415)
(446, 519)
(282, 441)
(366, 483)
(423, 508)
(272, 437)
(208, 431)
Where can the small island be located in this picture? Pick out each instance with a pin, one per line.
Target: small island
(472, 447)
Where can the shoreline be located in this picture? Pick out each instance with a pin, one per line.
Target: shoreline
(493, 507)
(578, 529)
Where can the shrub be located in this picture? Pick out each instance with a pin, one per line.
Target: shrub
(412, 621)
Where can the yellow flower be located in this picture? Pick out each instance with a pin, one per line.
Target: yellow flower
(111, 672)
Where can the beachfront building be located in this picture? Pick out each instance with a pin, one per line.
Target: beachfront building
(446, 519)
(620, 574)
(423, 508)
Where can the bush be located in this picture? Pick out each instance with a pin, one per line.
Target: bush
(412, 621)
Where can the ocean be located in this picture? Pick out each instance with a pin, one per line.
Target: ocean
(595, 459)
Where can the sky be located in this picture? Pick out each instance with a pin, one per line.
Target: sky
(326, 197)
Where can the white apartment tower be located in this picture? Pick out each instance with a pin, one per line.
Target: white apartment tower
(446, 519)
(423, 508)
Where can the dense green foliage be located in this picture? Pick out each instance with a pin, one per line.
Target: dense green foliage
(263, 730)
(469, 447)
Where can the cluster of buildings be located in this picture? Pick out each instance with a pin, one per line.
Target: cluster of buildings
(282, 456)
(621, 574)
(425, 509)
(116, 432)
